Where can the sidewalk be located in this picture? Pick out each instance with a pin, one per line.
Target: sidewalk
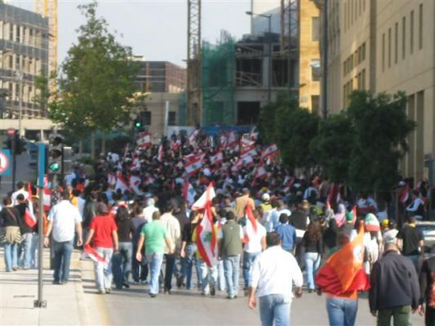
(75, 303)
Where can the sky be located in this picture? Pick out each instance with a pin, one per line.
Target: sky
(156, 29)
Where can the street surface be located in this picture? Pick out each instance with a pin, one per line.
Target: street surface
(134, 307)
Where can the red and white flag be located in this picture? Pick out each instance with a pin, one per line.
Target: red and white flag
(334, 194)
(404, 194)
(217, 158)
(206, 235)
(248, 151)
(189, 192)
(135, 182)
(269, 150)
(143, 140)
(246, 143)
(94, 255)
(193, 136)
(29, 215)
(193, 166)
(161, 153)
(251, 224)
(232, 139)
(111, 180)
(176, 145)
(223, 139)
(135, 164)
(46, 199)
(122, 184)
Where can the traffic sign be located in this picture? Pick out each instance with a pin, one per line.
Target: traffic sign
(11, 131)
(5, 162)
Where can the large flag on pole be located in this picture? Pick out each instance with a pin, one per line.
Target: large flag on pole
(206, 237)
(189, 192)
(344, 270)
(29, 215)
(251, 224)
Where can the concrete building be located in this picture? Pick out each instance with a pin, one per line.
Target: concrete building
(23, 58)
(162, 84)
(387, 46)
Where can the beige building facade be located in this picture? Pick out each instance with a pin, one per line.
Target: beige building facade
(387, 46)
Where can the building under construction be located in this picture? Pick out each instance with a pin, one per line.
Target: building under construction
(239, 77)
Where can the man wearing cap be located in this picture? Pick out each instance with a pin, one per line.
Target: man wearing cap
(394, 291)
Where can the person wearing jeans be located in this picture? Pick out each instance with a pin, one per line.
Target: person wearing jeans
(9, 218)
(26, 247)
(122, 259)
(230, 249)
(342, 311)
(11, 256)
(26, 232)
(104, 237)
(154, 236)
(312, 246)
(62, 258)
(272, 277)
(188, 251)
(64, 218)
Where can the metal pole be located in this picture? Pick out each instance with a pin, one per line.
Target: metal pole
(20, 114)
(14, 161)
(269, 91)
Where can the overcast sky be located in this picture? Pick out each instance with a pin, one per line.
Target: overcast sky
(156, 29)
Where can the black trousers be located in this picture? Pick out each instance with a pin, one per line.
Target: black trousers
(139, 269)
(169, 271)
(429, 316)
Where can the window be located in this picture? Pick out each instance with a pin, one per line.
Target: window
(315, 70)
(420, 27)
(11, 32)
(396, 43)
(315, 103)
(411, 32)
(383, 52)
(18, 38)
(403, 37)
(363, 80)
(364, 51)
(315, 29)
(146, 118)
(389, 47)
(344, 68)
(172, 118)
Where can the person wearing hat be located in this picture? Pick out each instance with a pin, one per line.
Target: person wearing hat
(265, 205)
(372, 241)
(348, 227)
(104, 237)
(389, 231)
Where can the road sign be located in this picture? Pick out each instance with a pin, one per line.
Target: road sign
(11, 131)
(5, 162)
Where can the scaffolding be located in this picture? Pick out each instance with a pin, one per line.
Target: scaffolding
(218, 82)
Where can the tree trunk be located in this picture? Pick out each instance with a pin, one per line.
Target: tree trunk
(80, 147)
(93, 145)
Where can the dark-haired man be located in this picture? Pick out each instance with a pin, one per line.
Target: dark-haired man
(273, 275)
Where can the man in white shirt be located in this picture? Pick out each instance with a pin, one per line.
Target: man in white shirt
(149, 210)
(255, 245)
(272, 277)
(21, 190)
(173, 231)
(63, 219)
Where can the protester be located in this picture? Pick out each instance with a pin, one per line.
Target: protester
(313, 246)
(103, 238)
(11, 235)
(64, 218)
(287, 233)
(230, 249)
(394, 291)
(154, 235)
(25, 256)
(242, 202)
(188, 250)
(273, 274)
(21, 191)
(411, 242)
(427, 293)
(139, 268)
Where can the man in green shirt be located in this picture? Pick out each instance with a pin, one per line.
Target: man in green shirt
(154, 236)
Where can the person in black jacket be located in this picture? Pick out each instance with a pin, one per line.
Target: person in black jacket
(394, 288)
(24, 253)
(427, 290)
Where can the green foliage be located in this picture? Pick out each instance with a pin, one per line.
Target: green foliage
(292, 128)
(96, 84)
(333, 145)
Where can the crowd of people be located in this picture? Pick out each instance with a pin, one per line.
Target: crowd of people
(211, 206)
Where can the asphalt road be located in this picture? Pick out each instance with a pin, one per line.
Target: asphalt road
(135, 307)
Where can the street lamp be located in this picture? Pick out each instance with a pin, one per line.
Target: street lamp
(269, 38)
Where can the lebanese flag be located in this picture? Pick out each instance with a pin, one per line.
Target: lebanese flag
(206, 237)
(232, 140)
(251, 224)
(46, 199)
(217, 158)
(344, 270)
(259, 173)
(269, 150)
(189, 192)
(94, 255)
(135, 182)
(246, 143)
(253, 135)
(193, 136)
(193, 167)
(248, 151)
(160, 155)
(122, 184)
(135, 164)
(143, 140)
(404, 194)
(223, 139)
(111, 180)
(29, 215)
(289, 185)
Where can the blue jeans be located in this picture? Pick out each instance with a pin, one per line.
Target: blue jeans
(312, 263)
(187, 264)
(208, 276)
(231, 270)
(415, 260)
(248, 260)
(26, 250)
(122, 263)
(155, 262)
(62, 259)
(275, 310)
(103, 270)
(11, 256)
(341, 312)
(221, 276)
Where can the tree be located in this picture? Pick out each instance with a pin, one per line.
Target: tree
(332, 146)
(380, 128)
(292, 128)
(96, 84)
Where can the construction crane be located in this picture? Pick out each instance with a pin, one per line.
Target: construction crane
(48, 9)
(194, 96)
